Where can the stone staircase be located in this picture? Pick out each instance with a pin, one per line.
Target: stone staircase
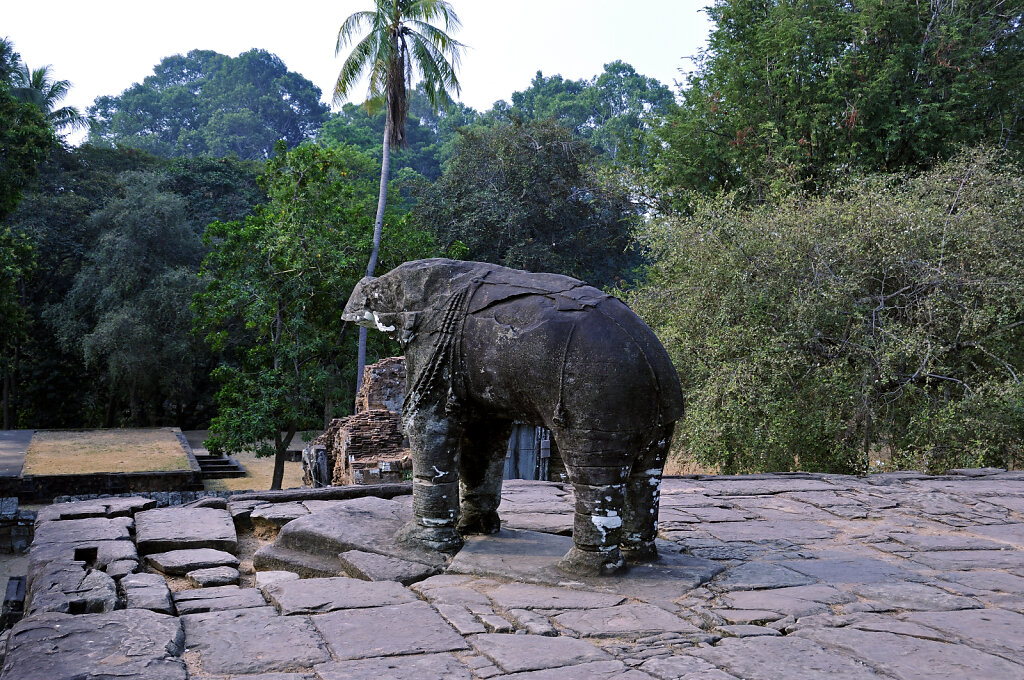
(219, 467)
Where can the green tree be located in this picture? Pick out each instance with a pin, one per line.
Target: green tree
(801, 94)
(529, 195)
(275, 283)
(205, 103)
(401, 41)
(824, 334)
(127, 311)
(37, 86)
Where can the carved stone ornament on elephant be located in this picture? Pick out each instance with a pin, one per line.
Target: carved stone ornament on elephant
(486, 345)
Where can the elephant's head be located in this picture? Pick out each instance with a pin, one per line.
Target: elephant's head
(394, 302)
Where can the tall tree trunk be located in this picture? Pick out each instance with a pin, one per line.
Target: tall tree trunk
(280, 451)
(7, 399)
(378, 228)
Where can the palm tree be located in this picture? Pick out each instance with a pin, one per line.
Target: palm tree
(401, 42)
(37, 87)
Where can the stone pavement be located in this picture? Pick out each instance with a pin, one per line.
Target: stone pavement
(13, 445)
(898, 576)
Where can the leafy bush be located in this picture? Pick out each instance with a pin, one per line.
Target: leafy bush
(882, 322)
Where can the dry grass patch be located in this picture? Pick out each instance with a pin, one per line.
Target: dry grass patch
(258, 474)
(76, 452)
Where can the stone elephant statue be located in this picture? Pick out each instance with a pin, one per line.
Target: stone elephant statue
(486, 345)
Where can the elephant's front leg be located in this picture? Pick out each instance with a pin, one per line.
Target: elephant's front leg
(481, 463)
(434, 439)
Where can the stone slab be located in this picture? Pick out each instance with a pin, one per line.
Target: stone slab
(167, 529)
(529, 596)
(595, 670)
(758, 575)
(374, 567)
(995, 631)
(276, 515)
(684, 668)
(265, 578)
(798, 532)
(321, 595)
(180, 562)
(220, 598)
(411, 628)
(147, 591)
(793, 658)
(418, 667)
(90, 529)
(963, 560)
(517, 653)
(128, 643)
(66, 587)
(912, 658)
(623, 620)
(797, 601)
(213, 577)
(545, 522)
(101, 507)
(366, 524)
(912, 596)
(106, 552)
(248, 641)
(531, 557)
(855, 570)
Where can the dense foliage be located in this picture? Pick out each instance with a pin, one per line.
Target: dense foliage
(275, 283)
(529, 195)
(209, 103)
(882, 322)
(801, 94)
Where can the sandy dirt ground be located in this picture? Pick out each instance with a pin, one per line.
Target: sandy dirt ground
(66, 452)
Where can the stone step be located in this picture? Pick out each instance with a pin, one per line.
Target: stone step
(216, 467)
(273, 557)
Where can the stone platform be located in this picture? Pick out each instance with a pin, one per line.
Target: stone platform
(802, 577)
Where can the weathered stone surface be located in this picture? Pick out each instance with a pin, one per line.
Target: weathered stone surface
(526, 596)
(213, 576)
(66, 587)
(321, 595)
(167, 529)
(912, 658)
(958, 541)
(684, 668)
(147, 591)
(758, 575)
(179, 562)
(517, 653)
(1013, 534)
(532, 622)
(366, 524)
(273, 516)
(793, 658)
(900, 595)
(995, 631)
(412, 628)
(374, 567)
(744, 631)
(546, 522)
(460, 618)
(101, 507)
(418, 667)
(91, 529)
(265, 578)
(796, 531)
(986, 580)
(595, 670)
(796, 601)
(217, 599)
(129, 643)
(855, 570)
(100, 553)
(627, 619)
(119, 568)
(249, 641)
(969, 559)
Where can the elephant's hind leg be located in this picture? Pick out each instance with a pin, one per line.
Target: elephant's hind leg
(481, 463)
(643, 495)
(594, 462)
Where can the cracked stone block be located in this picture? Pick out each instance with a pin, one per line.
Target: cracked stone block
(167, 529)
(412, 628)
(460, 618)
(627, 619)
(213, 577)
(69, 588)
(219, 598)
(249, 641)
(374, 567)
(517, 653)
(416, 667)
(527, 596)
(128, 643)
(180, 562)
(92, 529)
(147, 591)
(321, 595)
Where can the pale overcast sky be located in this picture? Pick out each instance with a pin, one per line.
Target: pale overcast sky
(104, 46)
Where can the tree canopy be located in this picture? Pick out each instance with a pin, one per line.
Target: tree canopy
(798, 95)
(209, 103)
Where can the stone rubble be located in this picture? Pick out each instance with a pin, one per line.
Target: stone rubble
(895, 577)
